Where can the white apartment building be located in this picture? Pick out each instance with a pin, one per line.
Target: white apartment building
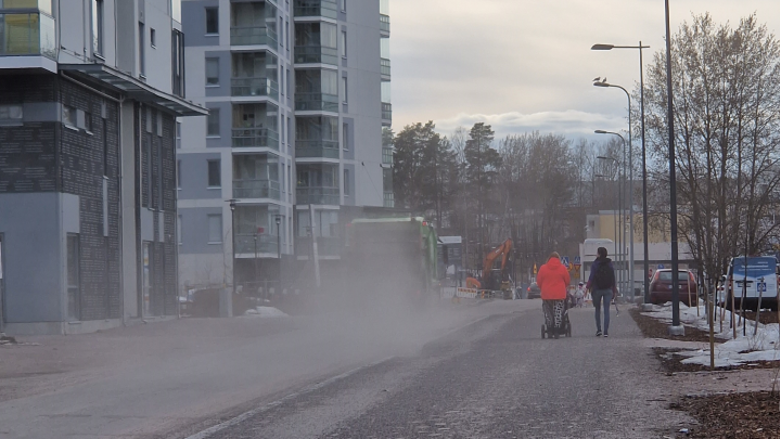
(298, 93)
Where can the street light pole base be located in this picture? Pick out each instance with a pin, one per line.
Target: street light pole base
(677, 331)
(647, 307)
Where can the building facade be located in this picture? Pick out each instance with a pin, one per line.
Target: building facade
(298, 94)
(90, 92)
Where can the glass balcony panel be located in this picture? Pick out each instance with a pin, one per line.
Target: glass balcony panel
(256, 189)
(253, 36)
(27, 34)
(316, 8)
(328, 149)
(255, 138)
(387, 111)
(389, 199)
(316, 102)
(316, 55)
(385, 67)
(254, 87)
(318, 195)
(326, 246)
(249, 243)
(387, 156)
(384, 23)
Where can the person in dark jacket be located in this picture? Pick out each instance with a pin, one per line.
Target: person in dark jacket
(602, 286)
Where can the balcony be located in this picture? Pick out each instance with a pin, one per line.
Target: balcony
(260, 243)
(256, 189)
(316, 8)
(27, 34)
(387, 156)
(327, 246)
(385, 67)
(316, 55)
(389, 200)
(255, 138)
(327, 149)
(384, 25)
(254, 87)
(387, 112)
(318, 195)
(316, 102)
(253, 36)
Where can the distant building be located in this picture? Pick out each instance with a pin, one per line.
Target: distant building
(89, 98)
(298, 93)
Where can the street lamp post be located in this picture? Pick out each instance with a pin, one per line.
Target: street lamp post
(645, 245)
(630, 164)
(617, 216)
(232, 202)
(279, 248)
(622, 198)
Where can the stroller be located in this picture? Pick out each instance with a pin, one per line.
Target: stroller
(565, 329)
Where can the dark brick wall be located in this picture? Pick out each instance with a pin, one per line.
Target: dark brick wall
(83, 171)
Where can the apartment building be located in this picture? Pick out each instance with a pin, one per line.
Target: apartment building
(90, 91)
(298, 93)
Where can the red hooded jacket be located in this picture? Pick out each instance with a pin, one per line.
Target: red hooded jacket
(553, 279)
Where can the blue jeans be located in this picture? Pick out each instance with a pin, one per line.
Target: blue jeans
(606, 295)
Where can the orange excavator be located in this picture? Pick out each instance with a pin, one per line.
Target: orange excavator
(490, 280)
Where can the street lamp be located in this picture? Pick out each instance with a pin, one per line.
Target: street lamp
(630, 163)
(622, 239)
(646, 283)
(279, 247)
(232, 202)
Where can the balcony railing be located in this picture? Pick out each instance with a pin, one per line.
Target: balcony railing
(255, 138)
(254, 87)
(260, 243)
(256, 189)
(316, 8)
(318, 195)
(384, 23)
(385, 66)
(316, 102)
(316, 55)
(253, 36)
(326, 246)
(328, 149)
(387, 156)
(387, 111)
(389, 199)
(27, 34)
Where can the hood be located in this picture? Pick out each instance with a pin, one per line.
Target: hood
(554, 263)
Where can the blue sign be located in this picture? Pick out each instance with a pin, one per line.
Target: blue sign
(660, 266)
(565, 261)
(577, 260)
(762, 287)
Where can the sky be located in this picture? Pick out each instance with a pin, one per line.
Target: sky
(526, 65)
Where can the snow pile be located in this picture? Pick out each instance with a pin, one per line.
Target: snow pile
(265, 311)
(745, 349)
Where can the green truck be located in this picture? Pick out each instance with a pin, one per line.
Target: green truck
(393, 255)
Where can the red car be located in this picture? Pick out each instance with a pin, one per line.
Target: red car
(661, 287)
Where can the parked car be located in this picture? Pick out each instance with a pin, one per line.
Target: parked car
(661, 287)
(534, 292)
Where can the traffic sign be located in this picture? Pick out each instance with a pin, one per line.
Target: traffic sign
(565, 261)
(577, 260)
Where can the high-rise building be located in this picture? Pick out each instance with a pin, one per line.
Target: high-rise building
(90, 91)
(298, 93)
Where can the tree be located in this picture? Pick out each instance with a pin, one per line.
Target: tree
(727, 92)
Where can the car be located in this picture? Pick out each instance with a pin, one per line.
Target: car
(661, 287)
(534, 292)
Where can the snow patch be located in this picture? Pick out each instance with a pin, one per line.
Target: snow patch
(265, 311)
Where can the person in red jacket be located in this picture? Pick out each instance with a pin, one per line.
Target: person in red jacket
(553, 279)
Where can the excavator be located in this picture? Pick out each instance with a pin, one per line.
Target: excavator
(490, 280)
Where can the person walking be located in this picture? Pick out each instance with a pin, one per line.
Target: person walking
(553, 279)
(601, 284)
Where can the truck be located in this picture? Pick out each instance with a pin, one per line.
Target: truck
(397, 256)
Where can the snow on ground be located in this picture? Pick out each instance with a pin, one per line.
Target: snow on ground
(265, 311)
(744, 349)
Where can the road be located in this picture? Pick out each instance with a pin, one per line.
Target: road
(461, 371)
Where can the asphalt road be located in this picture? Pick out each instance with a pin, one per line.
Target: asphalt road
(495, 378)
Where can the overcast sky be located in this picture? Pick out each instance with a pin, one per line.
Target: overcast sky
(524, 65)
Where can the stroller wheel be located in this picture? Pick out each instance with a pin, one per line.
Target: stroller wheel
(544, 332)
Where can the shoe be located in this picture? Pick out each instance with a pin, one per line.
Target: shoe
(606, 335)
(598, 333)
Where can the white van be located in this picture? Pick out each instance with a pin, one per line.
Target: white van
(750, 278)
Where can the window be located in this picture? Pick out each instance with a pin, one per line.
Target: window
(215, 175)
(178, 230)
(152, 37)
(343, 5)
(213, 122)
(215, 229)
(346, 182)
(73, 276)
(212, 21)
(69, 116)
(344, 85)
(88, 122)
(178, 130)
(104, 139)
(178, 174)
(97, 26)
(141, 49)
(345, 135)
(177, 59)
(212, 71)
(343, 43)
(12, 114)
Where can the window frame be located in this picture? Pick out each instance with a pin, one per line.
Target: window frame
(213, 113)
(215, 10)
(212, 59)
(218, 169)
(208, 224)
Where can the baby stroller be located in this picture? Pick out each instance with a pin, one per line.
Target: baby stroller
(565, 327)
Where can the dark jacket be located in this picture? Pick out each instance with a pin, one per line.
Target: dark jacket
(596, 264)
